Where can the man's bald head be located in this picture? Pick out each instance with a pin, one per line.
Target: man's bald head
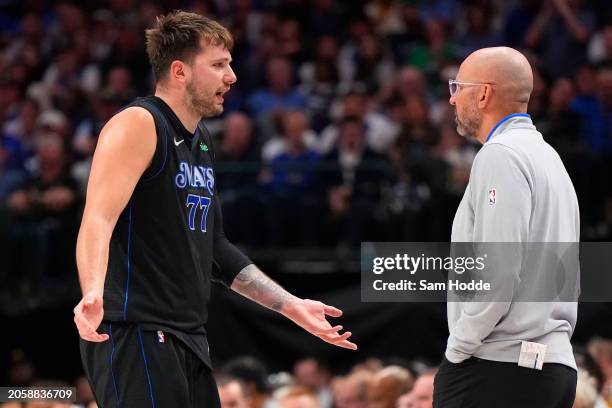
(505, 67)
(497, 82)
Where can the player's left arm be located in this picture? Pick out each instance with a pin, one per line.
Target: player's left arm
(237, 271)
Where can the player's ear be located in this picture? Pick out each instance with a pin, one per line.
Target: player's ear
(179, 71)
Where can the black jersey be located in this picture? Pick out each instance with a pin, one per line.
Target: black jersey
(162, 249)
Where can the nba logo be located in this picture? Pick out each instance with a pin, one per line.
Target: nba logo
(492, 196)
(160, 337)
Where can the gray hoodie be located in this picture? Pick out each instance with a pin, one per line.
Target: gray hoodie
(519, 191)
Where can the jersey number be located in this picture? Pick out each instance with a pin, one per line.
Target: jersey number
(193, 203)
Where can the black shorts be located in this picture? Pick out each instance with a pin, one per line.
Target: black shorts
(138, 368)
(478, 383)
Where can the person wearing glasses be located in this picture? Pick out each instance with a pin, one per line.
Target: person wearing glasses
(519, 191)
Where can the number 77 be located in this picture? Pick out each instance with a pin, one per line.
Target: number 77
(195, 201)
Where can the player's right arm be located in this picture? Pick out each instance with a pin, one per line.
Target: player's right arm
(125, 149)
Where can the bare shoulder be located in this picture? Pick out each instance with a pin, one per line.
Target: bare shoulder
(127, 141)
(132, 120)
(132, 129)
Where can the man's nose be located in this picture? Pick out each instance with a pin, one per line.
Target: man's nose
(451, 100)
(230, 77)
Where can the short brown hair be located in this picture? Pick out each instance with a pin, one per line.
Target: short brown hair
(177, 35)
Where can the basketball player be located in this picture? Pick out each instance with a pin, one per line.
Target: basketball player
(151, 240)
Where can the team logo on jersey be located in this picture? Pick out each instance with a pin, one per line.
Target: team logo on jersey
(203, 147)
(492, 196)
(161, 337)
(195, 176)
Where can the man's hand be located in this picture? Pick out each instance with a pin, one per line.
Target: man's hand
(88, 315)
(310, 315)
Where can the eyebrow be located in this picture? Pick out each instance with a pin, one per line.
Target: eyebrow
(222, 60)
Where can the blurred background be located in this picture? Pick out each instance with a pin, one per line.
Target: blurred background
(338, 131)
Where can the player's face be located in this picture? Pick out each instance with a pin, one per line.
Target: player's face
(211, 77)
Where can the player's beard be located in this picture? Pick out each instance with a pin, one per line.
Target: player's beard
(201, 102)
(469, 123)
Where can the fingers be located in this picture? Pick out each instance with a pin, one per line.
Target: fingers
(332, 311)
(87, 331)
(341, 341)
(331, 330)
(347, 345)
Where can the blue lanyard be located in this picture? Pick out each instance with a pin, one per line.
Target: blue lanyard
(514, 115)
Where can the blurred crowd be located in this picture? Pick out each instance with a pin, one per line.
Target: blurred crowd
(245, 382)
(338, 130)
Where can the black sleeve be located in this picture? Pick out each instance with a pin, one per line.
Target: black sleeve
(228, 260)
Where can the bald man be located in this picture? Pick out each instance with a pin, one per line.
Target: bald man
(519, 191)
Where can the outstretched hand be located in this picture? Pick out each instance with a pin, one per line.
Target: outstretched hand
(88, 315)
(311, 316)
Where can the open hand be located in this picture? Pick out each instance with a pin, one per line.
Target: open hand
(311, 316)
(88, 315)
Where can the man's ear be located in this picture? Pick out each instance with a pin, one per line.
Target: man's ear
(484, 96)
(179, 71)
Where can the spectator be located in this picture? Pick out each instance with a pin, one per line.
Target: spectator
(353, 175)
(372, 64)
(433, 56)
(319, 79)
(386, 386)
(586, 391)
(422, 393)
(600, 47)
(592, 91)
(408, 82)
(351, 391)
(560, 124)
(254, 375)
(105, 105)
(19, 135)
(294, 126)
(325, 18)
(296, 397)
(386, 16)
(119, 82)
(237, 166)
(416, 136)
(290, 41)
(10, 179)
(518, 20)
(314, 376)
(280, 94)
(561, 28)
(380, 130)
(47, 207)
(479, 32)
(232, 392)
(290, 183)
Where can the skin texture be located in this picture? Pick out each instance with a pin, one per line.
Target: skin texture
(193, 89)
(232, 396)
(506, 82)
(422, 393)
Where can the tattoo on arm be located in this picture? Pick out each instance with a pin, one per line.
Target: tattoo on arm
(252, 283)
